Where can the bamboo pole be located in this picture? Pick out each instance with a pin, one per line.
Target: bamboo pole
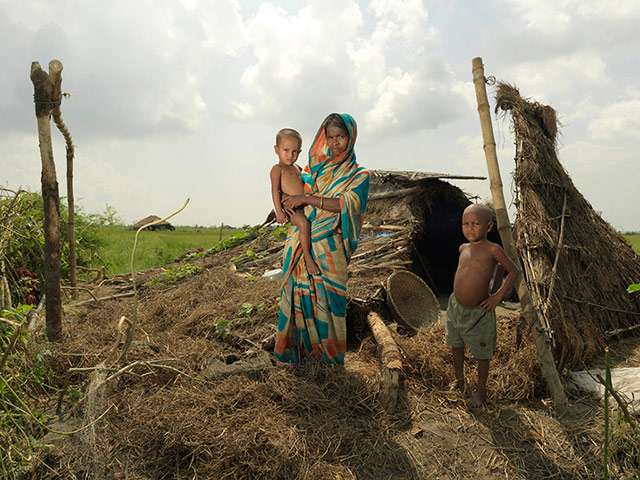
(545, 358)
(44, 88)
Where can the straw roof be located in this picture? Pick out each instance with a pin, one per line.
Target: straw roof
(576, 265)
(152, 218)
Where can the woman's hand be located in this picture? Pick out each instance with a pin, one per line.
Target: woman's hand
(291, 202)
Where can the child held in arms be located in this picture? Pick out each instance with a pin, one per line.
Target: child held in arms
(286, 179)
(471, 318)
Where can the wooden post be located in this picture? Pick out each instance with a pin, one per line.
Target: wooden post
(44, 88)
(545, 358)
(71, 236)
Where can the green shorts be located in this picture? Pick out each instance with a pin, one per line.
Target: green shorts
(471, 326)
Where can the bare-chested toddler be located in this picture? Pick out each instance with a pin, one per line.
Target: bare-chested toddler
(471, 318)
(286, 179)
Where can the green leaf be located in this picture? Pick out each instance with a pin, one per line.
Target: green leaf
(634, 287)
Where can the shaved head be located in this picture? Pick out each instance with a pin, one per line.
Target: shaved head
(485, 212)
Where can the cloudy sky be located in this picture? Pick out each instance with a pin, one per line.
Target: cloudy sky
(182, 98)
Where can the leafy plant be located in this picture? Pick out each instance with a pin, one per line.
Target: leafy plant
(248, 309)
(222, 327)
(634, 287)
(174, 274)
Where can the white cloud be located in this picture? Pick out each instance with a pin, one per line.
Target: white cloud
(618, 121)
(559, 74)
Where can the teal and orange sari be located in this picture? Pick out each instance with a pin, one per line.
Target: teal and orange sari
(311, 322)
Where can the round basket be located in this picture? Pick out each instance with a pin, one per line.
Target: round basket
(411, 301)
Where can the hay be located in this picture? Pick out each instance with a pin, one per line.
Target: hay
(308, 422)
(583, 296)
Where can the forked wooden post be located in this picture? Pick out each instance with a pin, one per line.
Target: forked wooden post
(44, 86)
(545, 358)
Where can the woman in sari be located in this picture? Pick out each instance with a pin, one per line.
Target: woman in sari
(311, 322)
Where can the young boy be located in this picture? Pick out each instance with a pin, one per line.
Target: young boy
(286, 179)
(471, 318)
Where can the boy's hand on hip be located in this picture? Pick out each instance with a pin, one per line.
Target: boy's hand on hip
(490, 304)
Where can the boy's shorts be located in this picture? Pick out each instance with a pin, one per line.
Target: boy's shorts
(471, 326)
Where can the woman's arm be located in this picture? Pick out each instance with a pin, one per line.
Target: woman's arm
(290, 202)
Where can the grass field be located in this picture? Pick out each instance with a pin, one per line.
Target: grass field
(155, 249)
(634, 240)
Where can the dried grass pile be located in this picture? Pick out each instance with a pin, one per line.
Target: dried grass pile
(576, 265)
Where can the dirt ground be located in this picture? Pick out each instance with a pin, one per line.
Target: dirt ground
(197, 399)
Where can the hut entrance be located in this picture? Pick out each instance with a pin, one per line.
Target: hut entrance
(436, 247)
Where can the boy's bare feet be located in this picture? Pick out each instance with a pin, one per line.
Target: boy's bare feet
(457, 385)
(312, 268)
(477, 400)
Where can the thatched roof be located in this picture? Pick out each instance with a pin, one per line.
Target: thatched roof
(576, 265)
(149, 219)
(413, 222)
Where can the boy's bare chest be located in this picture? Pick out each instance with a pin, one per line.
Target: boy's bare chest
(290, 172)
(477, 258)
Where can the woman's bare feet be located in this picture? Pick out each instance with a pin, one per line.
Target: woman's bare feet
(312, 268)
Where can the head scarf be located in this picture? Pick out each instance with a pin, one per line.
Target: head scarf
(337, 177)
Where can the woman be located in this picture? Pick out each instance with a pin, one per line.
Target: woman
(311, 322)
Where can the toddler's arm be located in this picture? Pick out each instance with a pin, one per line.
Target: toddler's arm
(281, 216)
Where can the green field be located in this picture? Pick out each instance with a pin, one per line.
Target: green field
(634, 240)
(155, 249)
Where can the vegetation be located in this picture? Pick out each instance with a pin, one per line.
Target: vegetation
(22, 236)
(24, 376)
(634, 240)
(155, 249)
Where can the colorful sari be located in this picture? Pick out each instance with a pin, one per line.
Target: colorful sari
(311, 322)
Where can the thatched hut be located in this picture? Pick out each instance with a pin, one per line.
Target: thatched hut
(576, 265)
(164, 225)
(413, 222)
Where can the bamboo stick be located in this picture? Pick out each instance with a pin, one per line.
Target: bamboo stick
(545, 358)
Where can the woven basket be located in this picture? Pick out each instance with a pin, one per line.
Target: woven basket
(411, 301)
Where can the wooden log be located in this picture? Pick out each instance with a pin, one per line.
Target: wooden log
(44, 86)
(390, 361)
(545, 358)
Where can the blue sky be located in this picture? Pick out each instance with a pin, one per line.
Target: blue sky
(177, 99)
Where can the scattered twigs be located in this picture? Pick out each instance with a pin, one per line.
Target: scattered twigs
(101, 273)
(618, 331)
(84, 289)
(102, 299)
